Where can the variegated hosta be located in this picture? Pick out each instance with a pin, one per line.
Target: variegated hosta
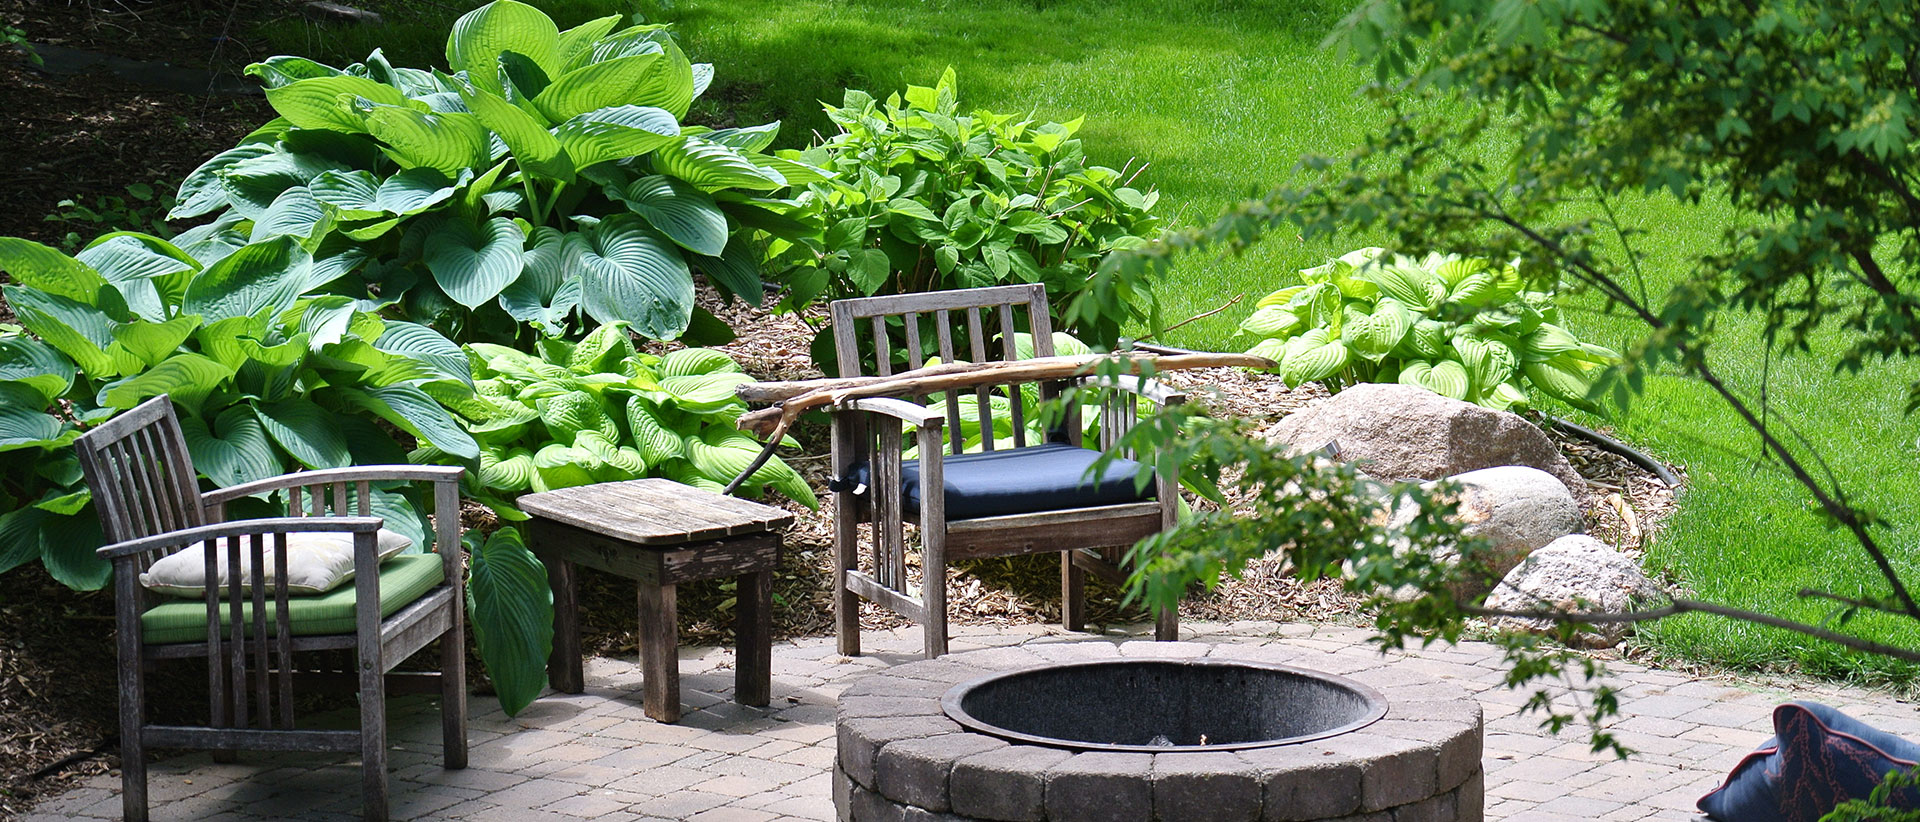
(1458, 326)
(598, 411)
(266, 373)
(545, 173)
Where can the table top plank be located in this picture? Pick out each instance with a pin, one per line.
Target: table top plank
(655, 512)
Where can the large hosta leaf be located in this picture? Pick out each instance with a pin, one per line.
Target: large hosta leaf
(736, 271)
(480, 36)
(268, 275)
(512, 608)
(634, 275)
(620, 81)
(235, 450)
(446, 141)
(202, 191)
(426, 345)
(253, 184)
(616, 133)
(295, 213)
(306, 431)
(187, 377)
(417, 414)
(327, 102)
(712, 166)
(46, 269)
(685, 214)
(1312, 356)
(20, 537)
(80, 331)
(472, 263)
(720, 455)
(139, 345)
(35, 365)
(534, 147)
(22, 427)
(359, 196)
(548, 289)
(67, 549)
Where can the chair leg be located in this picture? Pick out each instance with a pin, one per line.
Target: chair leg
(373, 736)
(1073, 594)
(846, 603)
(453, 692)
(133, 754)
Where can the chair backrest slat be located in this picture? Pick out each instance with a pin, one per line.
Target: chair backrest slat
(141, 474)
(965, 323)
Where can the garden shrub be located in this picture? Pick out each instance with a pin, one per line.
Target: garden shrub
(924, 198)
(265, 372)
(599, 411)
(545, 174)
(1460, 327)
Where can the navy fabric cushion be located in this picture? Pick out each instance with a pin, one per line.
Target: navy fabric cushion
(1023, 480)
(1818, 758)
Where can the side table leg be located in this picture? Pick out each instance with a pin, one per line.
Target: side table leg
(659, 639)
(753, 632)
(563, 665)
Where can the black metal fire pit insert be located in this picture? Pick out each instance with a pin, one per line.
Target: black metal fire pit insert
(1163, 705)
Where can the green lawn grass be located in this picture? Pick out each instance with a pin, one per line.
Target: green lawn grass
(1222, 97)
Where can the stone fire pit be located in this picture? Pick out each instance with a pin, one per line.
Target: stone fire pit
(1146, 732)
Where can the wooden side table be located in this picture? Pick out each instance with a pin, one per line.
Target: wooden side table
(660, 533)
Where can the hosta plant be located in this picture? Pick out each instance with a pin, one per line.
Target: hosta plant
(266, 374)
(598, 411)
(926, 198)
(542, 175)
(1461, 327)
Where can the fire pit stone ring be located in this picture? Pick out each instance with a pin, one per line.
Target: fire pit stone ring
(999, 735)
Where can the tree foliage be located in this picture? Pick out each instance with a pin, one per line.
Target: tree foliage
(1513, 129)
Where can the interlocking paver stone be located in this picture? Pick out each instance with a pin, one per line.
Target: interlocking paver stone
(595, 754)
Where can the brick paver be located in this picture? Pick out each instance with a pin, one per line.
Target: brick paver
(597, 756)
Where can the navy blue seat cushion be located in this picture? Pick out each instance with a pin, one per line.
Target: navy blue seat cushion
(1818, 758)
(1022, 481)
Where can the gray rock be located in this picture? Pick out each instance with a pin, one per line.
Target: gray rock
(1403, 432)
(1516, 508)
(1574, 573)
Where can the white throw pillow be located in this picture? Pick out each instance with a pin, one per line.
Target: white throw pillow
(317, 562)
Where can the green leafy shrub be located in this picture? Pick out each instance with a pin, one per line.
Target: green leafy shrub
(142, 209)
(598, 411)
(548, 175)
(265, 373)
(1459, 327)
(925, 199)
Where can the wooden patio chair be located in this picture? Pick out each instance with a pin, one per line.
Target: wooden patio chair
(150, 506)
(1026, 499)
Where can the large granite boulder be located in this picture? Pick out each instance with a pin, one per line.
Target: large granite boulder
(1400, 432)
(1515, 508)
(1574, 573)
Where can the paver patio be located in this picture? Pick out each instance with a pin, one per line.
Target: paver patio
(595, 755)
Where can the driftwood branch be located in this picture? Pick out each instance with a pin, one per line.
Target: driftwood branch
(793, 398)
(770, 423)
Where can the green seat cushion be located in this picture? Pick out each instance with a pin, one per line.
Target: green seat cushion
(403, 579)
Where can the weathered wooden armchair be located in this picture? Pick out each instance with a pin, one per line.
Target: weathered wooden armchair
(1031, 497)
(150, 507)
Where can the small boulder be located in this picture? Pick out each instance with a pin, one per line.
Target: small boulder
(1515, 508)
(1574, 573)
(1399, 432)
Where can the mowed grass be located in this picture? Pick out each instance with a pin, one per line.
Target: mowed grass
(1222, 98)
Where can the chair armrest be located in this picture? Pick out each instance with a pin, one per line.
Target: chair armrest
(1154, 390)
(357, 473)
(249, 527)
(915, 413)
